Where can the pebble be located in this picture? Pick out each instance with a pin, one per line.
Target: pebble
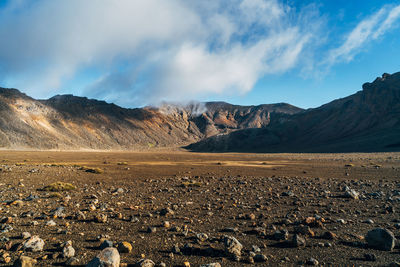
(34, 243)
(51, 223)
(25, 261)
(297, 241)
(107, 257)
(106, 244)
(124, 247)
(312, 262)
(68, 252)
(100, 218)
(72, 261)
(25, 235)
(351, 193)
(145, 263)
(232, 246)
(214, 264)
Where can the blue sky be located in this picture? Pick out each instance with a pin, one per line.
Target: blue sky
(136, 53)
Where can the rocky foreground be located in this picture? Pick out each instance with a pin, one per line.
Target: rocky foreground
(201, 212)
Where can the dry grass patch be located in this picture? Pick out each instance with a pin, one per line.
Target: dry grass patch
(59, 187)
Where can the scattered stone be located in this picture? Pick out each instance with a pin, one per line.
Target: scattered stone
(151, 229)
(108, 257)
(25, 235)
(351, 193)
(124, 247)
(298, 241)
(72, 261)
(233, 247)
(100, 218)
(59, 213)
(369, 221)
(281, 235)
(106, 244)
(80, 216)
(68, 252)
(329, 235)
(25, 261)
(214, 264)
(304, 230)
(145, 263)
(34, 244)
(51, 223)
(167, 211)
(260, 258)
(312, 262)
(381, 239)
(202, 237)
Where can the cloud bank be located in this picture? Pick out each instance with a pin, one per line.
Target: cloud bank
(143, 52)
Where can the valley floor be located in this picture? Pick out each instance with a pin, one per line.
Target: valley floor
(162, 202)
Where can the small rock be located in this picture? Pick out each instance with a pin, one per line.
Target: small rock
(214, 264)
(312, 262)
(34, 244)
(381, 239)
(100, 218)
(25, 235)
(106, 244)
(297, 241)
(72, 261)
(329, 235)
(124, 247)
(202, 237)
(25, 261)
(281, 235)
(59, 212)
(232, 246)
(167, 211)
(107, 257)
(145, 263)
(51, 223)
(68, 252)
(351, 193)
(260, 258)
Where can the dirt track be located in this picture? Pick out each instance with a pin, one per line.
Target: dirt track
(208, 193)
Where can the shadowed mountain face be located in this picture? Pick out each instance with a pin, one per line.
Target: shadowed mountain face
(366, 121)
(70, 122)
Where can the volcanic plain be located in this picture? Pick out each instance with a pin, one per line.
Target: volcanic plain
(179, 208)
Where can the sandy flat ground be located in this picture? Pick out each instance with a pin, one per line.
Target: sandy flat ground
(208, 193)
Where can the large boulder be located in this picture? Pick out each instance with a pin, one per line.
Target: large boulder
(380, 238)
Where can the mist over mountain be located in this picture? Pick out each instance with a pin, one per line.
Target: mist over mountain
(70, 122)
(366, 121)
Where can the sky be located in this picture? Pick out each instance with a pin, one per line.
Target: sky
(248, 52)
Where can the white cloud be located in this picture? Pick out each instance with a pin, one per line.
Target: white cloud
(366, 31)
(148, 51)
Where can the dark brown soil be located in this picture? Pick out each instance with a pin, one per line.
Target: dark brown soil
(208, 193)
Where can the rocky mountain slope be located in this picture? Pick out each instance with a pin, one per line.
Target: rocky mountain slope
(366, 121)
(70, 122)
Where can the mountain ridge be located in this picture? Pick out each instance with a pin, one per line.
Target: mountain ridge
(72, 122)
(367, 121)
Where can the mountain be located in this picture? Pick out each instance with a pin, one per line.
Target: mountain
(366, 121)
(71, 122)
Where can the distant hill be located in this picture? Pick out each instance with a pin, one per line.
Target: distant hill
(70, 122)
(366, 121)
